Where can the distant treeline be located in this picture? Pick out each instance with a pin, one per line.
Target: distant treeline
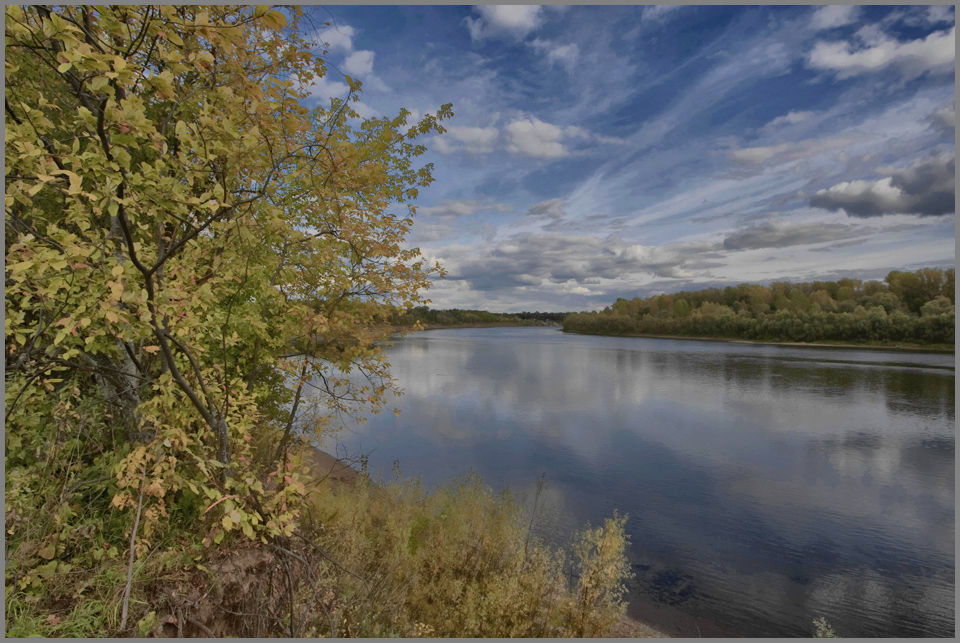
(911, 307)
(457, 316)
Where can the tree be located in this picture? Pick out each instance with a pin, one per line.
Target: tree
(190, 249)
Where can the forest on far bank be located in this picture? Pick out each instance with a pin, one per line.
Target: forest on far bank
(456, 317)
(907, 307)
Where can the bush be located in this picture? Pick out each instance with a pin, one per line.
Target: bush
(822, 629)
(460, 561)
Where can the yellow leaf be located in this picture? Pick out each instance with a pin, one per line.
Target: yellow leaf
(112, 316)
(152, 350)
(275, 20)
(48, 552)
(117, 271)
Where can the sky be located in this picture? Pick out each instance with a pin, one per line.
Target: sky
(601, 152)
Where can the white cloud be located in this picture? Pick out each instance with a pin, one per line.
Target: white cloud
(830, 17)
(758, 154)
(879, 51)
(452, 208)
(442, 145)
(790, 118)
(513, 20)
(926, 188)
(340, 37)
(476, 140)
(944, 119)
(325, 89)
(567, 55)
(364, 110)
(792, 151)
(359, 63)
(533, 137)
(940, 14)
(658, 11)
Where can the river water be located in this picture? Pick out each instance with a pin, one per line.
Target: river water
(765, 485)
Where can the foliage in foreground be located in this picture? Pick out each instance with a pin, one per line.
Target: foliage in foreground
(462, 562)
(197, 267)
(372, 560)
(913, 307)
(823, 630)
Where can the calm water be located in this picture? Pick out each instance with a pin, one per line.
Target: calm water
(765, 485)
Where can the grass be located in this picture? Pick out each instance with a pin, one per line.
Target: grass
(369, 559)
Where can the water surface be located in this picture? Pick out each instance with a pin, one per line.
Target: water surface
(765, 485)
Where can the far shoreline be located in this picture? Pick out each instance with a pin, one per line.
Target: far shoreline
(942, 350)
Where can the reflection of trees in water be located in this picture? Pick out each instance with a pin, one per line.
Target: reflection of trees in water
(580, 375)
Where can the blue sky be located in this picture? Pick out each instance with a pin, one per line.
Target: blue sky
(604, 152)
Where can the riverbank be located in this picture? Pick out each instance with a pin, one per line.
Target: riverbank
(489, 325)
(942, 349)
(328, 467)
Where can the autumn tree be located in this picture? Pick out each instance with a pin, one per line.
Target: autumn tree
(195, 260)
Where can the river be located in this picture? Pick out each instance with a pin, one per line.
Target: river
(765, 485)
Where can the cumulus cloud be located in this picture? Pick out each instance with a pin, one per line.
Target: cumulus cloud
(476, 140)
(533, 137)
(359, 63)
(512, 20)
(876, 50)
(325, 89)
(830, 17)
(552, 208)
(337, 38)
(539, 260)
(567, 55)
(923, 189)
(782, 234)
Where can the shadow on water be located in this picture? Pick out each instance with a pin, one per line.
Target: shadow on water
(764, 487)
